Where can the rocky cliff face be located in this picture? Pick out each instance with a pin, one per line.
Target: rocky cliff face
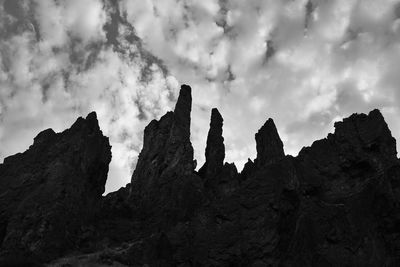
(49, 192)
(335, 204)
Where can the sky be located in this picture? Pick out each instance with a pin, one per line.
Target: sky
(304, 63)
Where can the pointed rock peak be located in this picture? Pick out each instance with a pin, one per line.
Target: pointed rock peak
(376, 113)
(269, 144)
(184, 102)
(247, 170)
(44, 136)
(215, 149)
(91, 118)
(90, 122)
(167, 151)
(214, 137)
(216, 118)
(183, 108)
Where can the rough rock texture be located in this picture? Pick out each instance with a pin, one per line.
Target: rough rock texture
(165, 189)
(50, 191)
(167, 150)
(350, 197)
(335, 204)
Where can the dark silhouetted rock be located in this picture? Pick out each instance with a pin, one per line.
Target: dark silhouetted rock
(167, 150)
(350, 208)
(215, 149)
(51, 190)
(165, 188)
(336, 204)
(219, 179)
(269, 144)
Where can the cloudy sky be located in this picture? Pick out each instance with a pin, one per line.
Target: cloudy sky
(305, 63)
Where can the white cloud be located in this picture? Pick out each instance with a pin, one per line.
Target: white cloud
(301, 85)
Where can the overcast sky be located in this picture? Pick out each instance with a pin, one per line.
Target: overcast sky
(304, 63)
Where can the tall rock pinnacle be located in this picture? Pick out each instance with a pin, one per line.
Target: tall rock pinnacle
(166, 162)
(166, 147)
(178, 145)
(269, 144)
(215, 149)
(182, 111)
(163, 183)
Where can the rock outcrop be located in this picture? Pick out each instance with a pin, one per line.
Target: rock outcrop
(215, 148)
(167, 150)
(51, 191)
(349, 197)
(165, 189)
(219, 179)
(269, 144)
(336, 204)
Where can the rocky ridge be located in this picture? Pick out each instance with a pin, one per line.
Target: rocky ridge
(335, 204)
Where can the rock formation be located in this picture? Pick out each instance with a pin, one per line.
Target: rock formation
(269, 144)
(165, 189)
(50, 191)
(335, 204)
(219, 179)
(215, 149)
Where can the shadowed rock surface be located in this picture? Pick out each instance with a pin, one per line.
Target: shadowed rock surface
(49, 192)
(269, 144)
(335, 204)
(165, 189)
(219, 179)
(215, 149)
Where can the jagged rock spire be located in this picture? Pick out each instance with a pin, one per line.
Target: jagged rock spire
(269, 144)
(215, 149)
(182, 110)
(167, 150)
(164, 183)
